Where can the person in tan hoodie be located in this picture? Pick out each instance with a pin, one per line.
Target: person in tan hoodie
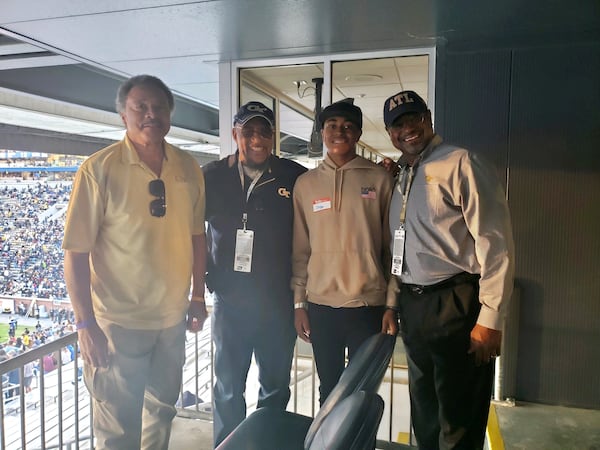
(341, 256)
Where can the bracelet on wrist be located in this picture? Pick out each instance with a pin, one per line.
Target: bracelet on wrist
(197, 298)
(83, 324)
(301, 305)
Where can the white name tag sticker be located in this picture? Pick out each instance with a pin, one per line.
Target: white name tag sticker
(398, 252)
(244, 240)
(321, 204)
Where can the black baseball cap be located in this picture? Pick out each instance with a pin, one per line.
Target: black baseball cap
(251, 110)
(402, 103)
(344, 108)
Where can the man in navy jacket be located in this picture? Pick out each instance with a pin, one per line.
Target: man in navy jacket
(250, 215)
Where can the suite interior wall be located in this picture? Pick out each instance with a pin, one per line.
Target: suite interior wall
(534, 112)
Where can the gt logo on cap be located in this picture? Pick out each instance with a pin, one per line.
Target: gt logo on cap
(256, 108)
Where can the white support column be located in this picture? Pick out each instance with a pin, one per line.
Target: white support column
(227, 100)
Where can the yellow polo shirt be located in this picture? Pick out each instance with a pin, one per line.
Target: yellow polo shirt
(141, 266)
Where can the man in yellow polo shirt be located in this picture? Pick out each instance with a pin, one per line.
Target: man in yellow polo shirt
(134, 244)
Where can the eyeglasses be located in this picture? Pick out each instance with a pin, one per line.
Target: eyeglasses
(408, 120)
(263, 132)
(158, 206)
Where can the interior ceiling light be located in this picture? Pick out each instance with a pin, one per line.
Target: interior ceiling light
(364, 77)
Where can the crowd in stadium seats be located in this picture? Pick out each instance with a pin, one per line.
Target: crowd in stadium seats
(31, 265)
(31, 233)
(30, 339)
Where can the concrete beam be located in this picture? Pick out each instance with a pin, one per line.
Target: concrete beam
(82, 85)
(13, 137)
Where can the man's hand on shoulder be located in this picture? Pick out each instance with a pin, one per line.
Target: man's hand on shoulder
(389, 165)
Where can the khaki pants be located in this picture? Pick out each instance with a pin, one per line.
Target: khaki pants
(134, 398)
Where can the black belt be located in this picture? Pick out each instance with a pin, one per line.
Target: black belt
(461, 278)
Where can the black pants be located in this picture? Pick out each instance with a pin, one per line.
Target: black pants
(239, 332)
(449, 394)
(332, 330)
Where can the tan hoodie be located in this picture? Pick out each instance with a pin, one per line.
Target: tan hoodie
(341, 255)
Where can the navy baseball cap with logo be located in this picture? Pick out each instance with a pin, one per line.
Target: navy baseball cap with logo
(251, 110)
(344, 108)
(402, 103)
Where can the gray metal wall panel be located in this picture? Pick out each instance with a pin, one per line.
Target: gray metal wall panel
(536, 112)
(555, 202)
(476, 103)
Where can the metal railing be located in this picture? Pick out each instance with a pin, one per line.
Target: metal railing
(55, 411)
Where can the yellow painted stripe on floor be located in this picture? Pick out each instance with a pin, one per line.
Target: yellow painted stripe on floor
(403, 437)
(495, 441)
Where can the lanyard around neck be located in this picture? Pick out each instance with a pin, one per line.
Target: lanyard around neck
(242, 178)
(405, 192)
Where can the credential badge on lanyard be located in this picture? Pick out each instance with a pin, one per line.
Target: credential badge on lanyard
(244, 241)
(244, 238)
(398, 252)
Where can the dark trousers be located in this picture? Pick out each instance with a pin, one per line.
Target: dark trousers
(238, 332)
(449, 394)
(332, 330)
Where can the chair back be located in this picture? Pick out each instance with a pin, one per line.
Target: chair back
(364, 372)
(351, 425)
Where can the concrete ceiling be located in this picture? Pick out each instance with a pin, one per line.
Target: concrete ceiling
(76, 52)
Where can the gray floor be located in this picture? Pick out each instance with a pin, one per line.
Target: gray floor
(529, 426)
(191, 434)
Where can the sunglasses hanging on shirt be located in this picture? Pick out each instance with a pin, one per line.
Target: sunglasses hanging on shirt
(158, 206)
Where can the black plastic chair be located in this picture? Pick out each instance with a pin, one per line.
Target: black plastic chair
(352, 425)
(269, 428)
